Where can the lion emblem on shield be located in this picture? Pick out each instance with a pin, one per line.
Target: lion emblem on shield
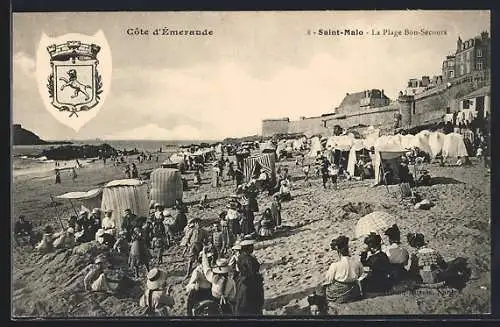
(76, 85)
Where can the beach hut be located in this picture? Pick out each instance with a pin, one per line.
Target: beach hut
(388, 152)
(454, 146)
(264, 161)
(166, 186)
(122, 194)
(436, 142)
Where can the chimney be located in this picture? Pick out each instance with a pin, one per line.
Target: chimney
(382, 94)
(459, 44)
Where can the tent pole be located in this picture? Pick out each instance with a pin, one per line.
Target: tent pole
(76, 213)
(57, 211)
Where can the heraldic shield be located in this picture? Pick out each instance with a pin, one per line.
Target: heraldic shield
(74, 85)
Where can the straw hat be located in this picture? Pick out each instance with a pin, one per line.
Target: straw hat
(157, 205)
(156, 279)
(221, 266)
(96, 210)
(247, 242)
(71, 230)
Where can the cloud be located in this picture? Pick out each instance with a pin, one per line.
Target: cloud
(154, 132)
(24, 62)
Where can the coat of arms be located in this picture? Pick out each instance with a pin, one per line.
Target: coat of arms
(74, 76)
(74, 84)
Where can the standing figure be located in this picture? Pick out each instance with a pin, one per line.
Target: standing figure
(58, 177)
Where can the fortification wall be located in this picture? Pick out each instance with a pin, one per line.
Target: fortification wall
(375, 117)
(274, 126)
(309, 126)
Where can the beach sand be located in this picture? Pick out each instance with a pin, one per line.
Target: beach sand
(295, 260)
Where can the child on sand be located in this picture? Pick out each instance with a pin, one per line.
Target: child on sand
(121, 245)
(157, 244)
(139, 254)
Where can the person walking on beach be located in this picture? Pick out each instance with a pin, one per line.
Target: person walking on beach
(135, 172)
(58, 177)
(73, 175)
(127, 171)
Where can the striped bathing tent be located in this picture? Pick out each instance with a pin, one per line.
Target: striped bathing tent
(266, 162)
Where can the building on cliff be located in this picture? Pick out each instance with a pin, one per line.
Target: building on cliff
(471, 58)
(423, 102)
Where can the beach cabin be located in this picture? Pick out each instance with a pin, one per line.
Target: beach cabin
(122, 194)
(166, 186)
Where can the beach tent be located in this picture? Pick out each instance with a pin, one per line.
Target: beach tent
(166, 186)
(407, 141)
(87, 200)
(218, 148)
(421, 141)
(454, 146)
(122, 194)
(436, 142)
(315, 147)
(356, 148)
(265, 160)
(341, 142)
(267, 147)
(388, 152)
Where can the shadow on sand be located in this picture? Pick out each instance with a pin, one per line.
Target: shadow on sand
(444, 181)
(282, 300)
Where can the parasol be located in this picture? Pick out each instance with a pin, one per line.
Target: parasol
(377, 221)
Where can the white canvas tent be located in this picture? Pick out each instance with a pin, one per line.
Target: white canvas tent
(388, 150)
(353, 158)
(341, 142)
(454, 146)
(436, 142)
(86, 200)
(122, 194)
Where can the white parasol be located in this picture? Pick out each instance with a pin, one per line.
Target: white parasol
(377, 222)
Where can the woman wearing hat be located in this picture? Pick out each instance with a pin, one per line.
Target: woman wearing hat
(198, 287)
(379, 277)
(233, 216)
(266, 229)
(427, 264)
(398, 256)
(95, 280)
(341, 282)
(108, 223)
(249, 283)
(223, 287)
(227, 236)
(195, 239)
(157, 298)
(46, 244)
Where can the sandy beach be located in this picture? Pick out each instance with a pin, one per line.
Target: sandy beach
(294, 261)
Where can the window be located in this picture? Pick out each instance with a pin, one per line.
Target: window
(467, 55)
(467, 68)
(413, 107)
(465, 104)
(479, 53)
(450, 63)
(461, 69)
(451, 74)
(479, 66)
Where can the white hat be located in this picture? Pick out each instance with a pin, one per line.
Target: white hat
(157, 205)
(156, 279)
(166, 213)
(71, 230)
(221, 266)
(83, 212)
(247, 242)
(236, 246)
(96, 210)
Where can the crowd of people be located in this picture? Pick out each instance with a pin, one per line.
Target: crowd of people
(222, 274)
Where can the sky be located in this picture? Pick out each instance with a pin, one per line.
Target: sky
(256, 65)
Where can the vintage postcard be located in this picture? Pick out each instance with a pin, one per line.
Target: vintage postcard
(251, 164)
